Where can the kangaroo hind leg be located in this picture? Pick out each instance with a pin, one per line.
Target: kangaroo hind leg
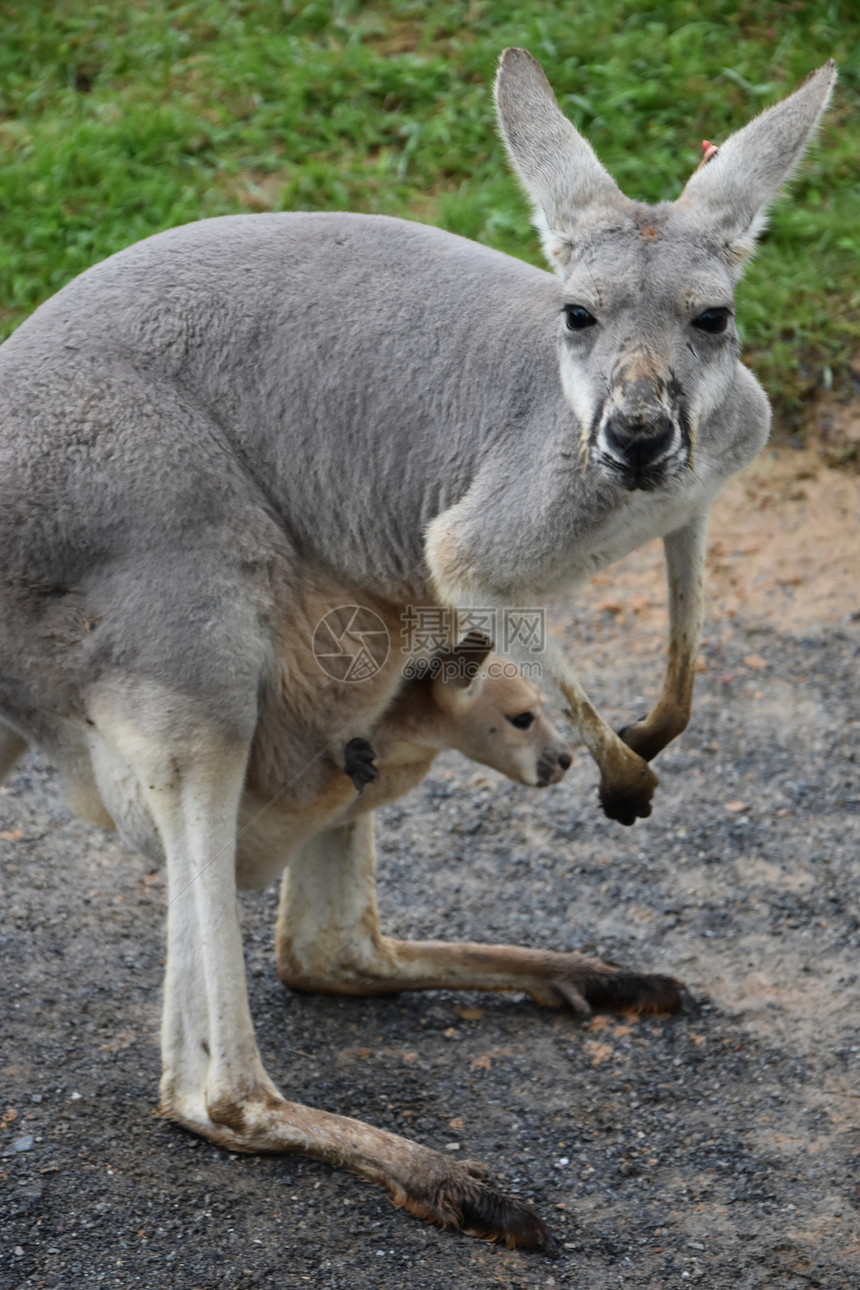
(328, 940)
(214, 1083)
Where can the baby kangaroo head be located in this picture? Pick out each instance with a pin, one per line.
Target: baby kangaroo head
(648, 349)
(497, 718)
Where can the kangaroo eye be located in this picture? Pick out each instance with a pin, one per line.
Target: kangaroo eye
(578, 318)
(713, 320)
(522, 721)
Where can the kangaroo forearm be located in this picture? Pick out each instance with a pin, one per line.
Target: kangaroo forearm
(627, 783)
(685, 564)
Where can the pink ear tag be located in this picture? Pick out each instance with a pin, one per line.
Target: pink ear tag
(710, 150)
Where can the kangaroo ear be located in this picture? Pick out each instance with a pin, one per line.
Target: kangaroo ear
(730, 193)
(460, 680)
(563, 179)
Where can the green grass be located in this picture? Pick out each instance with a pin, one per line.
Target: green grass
(117, 121)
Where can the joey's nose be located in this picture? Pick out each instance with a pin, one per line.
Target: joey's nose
(551, 766)
(639, 444)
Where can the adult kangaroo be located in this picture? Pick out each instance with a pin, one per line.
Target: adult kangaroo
(199, 433)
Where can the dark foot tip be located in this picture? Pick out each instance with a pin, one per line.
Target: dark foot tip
(663, 994)
(460, 1201)
(636, 992)
(496, 1217)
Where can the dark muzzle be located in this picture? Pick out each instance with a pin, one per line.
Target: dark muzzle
(640, 444)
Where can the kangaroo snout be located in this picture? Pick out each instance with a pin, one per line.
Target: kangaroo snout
(641, 441)
(552, 764)
(638, 444)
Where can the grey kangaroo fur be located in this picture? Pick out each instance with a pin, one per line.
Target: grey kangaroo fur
(230, 427)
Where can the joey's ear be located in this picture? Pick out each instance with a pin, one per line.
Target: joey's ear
(459, 682)
(563, 179)
(729, 195)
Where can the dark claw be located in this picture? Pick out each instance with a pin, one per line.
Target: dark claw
(358, 759)
(624, 729)
(649, 740)
(636, 736)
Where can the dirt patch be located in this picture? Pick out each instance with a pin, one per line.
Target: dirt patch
(783, 553)
(835, 426)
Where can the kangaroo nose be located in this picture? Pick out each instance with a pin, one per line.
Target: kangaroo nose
(639, 443)
(552, 765)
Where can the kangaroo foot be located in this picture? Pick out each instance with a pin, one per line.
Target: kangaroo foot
(589, 985)
(448, 1193)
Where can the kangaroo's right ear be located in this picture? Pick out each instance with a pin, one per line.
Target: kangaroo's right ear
(460, 680)
(563, 179)
(729, 194)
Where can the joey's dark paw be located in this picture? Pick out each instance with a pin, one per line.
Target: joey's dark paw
(358, 759)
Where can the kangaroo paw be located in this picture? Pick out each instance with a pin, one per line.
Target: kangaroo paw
(358, 759)
(633, 733)
(648, 737)
(627, 802)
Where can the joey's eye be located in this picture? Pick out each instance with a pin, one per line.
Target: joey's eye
(713, 320)
(522, 720)
(578, 318)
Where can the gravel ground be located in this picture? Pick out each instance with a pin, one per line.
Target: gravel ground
(716, 1148)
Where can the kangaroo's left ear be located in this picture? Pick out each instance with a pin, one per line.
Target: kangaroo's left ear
(730, 193)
